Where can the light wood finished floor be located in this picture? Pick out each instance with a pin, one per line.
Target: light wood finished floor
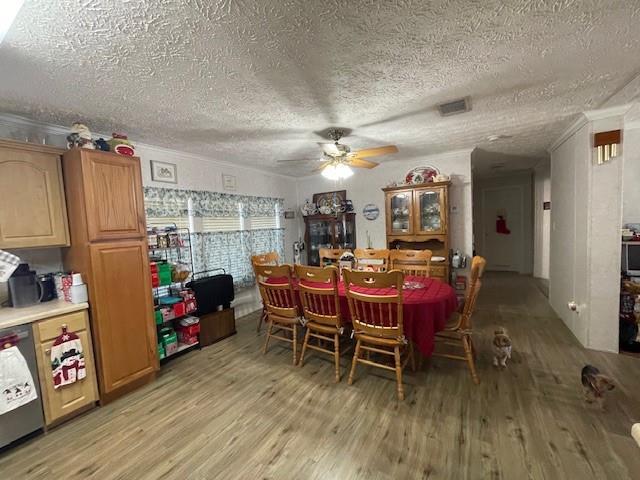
(229, 412)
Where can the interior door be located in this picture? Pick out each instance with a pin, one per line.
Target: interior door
(122, 310)
(502, 211)
(113, 189)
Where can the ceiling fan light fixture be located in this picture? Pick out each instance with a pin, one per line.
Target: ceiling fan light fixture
(337, 171)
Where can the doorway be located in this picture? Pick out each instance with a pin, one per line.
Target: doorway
(502, 222)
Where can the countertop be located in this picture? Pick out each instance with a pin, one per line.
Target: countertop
(10, 317)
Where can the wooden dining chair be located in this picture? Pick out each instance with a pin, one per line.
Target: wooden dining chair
(377, 319)
(458, 333)
(411, 262)
(279, 299)
(321, 310)
(331, 256)
(363, 256)
(269, 258)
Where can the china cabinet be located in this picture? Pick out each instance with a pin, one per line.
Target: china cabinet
(417, 217)
(329, 231)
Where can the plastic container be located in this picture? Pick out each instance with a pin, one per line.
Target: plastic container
(164, 273)
(169, 340)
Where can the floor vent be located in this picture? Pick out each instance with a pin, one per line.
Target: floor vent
(454, 107)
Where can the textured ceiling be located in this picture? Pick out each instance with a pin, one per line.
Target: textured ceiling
(249, 81)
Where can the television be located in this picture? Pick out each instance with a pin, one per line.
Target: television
(631, 258)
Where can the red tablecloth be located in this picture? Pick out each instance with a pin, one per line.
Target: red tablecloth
(425, 310)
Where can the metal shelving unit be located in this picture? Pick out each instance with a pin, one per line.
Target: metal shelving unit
(171, 245)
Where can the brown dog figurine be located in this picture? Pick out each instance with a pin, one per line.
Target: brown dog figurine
(595, 385)
(501, 347)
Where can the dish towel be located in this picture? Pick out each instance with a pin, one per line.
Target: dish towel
(16, 383)
(8, 263)
(67, 359)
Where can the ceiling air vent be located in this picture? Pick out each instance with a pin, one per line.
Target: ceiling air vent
(454, 107)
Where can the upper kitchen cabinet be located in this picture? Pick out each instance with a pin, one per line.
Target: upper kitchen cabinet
(32, 211)
(112, 192)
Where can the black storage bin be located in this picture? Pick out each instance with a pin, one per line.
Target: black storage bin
(212, 291)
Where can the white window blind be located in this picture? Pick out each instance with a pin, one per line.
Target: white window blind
(180, 222)
(221, 224)
(258, 223)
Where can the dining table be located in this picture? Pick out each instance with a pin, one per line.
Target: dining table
(427, 304)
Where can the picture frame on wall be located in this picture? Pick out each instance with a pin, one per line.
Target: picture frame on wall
(229, 182)
(164, 172)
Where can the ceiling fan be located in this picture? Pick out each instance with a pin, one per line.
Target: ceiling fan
(337, 158)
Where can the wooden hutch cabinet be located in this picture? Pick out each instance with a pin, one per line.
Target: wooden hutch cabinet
(417, 217)
(329, 231)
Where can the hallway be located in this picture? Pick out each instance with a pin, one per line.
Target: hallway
(245, 415)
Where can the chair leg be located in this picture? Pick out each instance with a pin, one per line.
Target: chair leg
(294, 337)
(304, 347)
(266, 342)
(262, 318)
(412, 357)
(396, 352)
(354, 362)
(468, 351)
(336, 355)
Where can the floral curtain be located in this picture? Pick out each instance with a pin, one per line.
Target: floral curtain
(172, 202)
(230, 250)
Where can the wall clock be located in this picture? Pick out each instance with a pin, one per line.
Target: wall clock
(370, 211)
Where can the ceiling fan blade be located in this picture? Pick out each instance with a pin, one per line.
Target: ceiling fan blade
(375, 152)
(300, 160)
(362, 163)
(321, 167)
(329, 148)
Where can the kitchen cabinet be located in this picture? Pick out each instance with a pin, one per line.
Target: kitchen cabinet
(126, 338)
(113, 195)
(109, 248)
(417, 218)
(329, 231)
(68, 400)
(33, 211)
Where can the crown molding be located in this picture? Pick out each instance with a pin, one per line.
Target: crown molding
(11, 120)
(603, 113)
(573, 128)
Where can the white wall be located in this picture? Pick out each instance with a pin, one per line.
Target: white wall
(365, 186)
(541, 219)
(523, 181)
(194, 173)
(586, 217)
(631, 174)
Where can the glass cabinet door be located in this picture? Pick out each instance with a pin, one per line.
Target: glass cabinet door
(320, 236)
(431, 206)
(345, 232)
(399, 206)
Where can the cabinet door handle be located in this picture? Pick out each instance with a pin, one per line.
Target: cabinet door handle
(48, 351)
